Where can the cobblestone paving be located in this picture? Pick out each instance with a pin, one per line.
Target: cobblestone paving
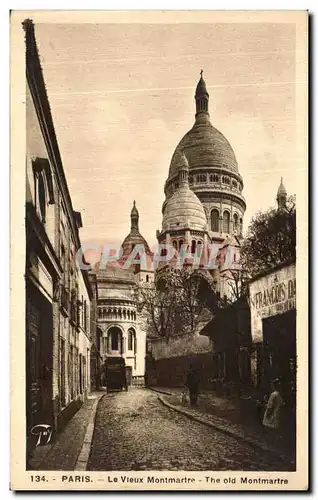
(63, 454)
(134, 431)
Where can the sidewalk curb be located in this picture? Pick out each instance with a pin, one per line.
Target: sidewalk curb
(160, 392)
(82, 459)
(197, 418)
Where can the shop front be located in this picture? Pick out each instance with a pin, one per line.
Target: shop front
(230, 335)
(273, 326)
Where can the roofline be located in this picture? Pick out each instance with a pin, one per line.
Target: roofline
(35, 79)
(287, 263)
(87, 283)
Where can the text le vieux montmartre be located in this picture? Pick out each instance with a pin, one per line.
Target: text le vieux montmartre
(192, 480)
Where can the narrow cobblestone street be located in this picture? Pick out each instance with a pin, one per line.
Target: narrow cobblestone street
(134, 431)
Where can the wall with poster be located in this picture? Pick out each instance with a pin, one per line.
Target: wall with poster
(270, 295)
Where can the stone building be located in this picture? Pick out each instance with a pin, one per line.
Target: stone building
(121, 326)
(202, 218)
(58, 292)
(273, 326)
(204, 206)
(254, 339)
(96, 359)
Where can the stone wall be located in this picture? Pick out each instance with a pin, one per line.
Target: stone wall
(171, 358)
(172, 372)
(180, 345)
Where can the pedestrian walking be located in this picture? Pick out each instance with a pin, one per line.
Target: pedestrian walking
(193, 384)
(274, 408)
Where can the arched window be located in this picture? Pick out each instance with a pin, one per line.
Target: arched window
(226, 222)
(175, 244)
(214, 178)
(180, 244)
(199, 248)
(147, 278)
(131, 338)
(193, 246)
(215, 220)
(235, 222)
(226, 180)
(201, 178)
(114, 339)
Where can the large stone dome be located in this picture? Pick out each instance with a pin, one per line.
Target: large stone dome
(213, 171)
(204, 146)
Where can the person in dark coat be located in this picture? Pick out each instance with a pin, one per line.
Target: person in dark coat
(193, 384)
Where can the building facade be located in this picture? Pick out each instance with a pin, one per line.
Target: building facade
(273, 326)
(204, 206)
(202, 219)
(121, 326)
(58, 292)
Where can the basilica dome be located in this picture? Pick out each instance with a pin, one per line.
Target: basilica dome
(205, 146)
(184, 209)
(213, 171)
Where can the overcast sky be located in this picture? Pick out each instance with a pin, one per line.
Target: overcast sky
(122, 97)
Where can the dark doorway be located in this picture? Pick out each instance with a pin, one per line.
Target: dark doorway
(279, 360)
(279, 348)
(39, 354)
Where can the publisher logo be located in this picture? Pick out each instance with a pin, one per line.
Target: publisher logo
(44, 433)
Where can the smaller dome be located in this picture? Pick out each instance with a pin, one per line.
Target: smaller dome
(134, 238)
(115, 272)
(184, 209)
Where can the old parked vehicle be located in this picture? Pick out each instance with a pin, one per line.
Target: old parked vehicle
(115, 374)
